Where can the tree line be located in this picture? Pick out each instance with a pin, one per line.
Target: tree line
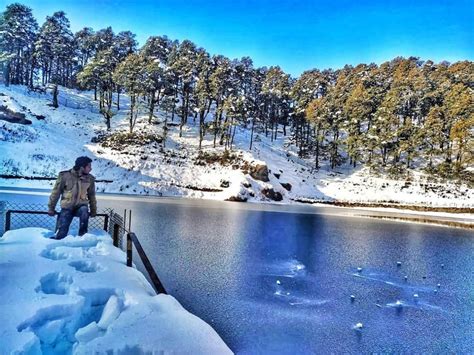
(400, 114)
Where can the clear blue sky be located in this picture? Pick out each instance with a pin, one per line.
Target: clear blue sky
(297, 35)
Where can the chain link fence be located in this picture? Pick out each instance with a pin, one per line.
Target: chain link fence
(23, 215)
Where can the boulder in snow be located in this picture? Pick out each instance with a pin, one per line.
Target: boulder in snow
(237, 198)
(259, 172)
(272, 194)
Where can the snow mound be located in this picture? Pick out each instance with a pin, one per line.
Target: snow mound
(78, 296)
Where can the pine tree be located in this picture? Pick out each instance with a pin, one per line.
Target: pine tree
(220, 84)
(242, 96)
(203, 93)
(125, 44)
(131, 75)
(55, 50)
(104, 39)
(463, 142)
(156, 51)
(459, 110)
(312, 84)
(315, 114)
(18, 31)
(98, 73)
(385, 126)
(276, 88)
(183, 64)
(84, 40)
(358, 109)
(431, 135)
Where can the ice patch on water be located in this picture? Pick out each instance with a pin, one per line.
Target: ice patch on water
(385, 279)
(396, 304)
(293, 299)
(288, 268)
(417, 304)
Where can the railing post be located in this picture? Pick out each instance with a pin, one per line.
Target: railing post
(106, 222)
(157, 285)
(8, 220)
(116, 234)
(56, 226)
(129, 249)
(3, 209)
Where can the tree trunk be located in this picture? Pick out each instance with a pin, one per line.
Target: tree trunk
(233, 135)
(174, 102)
(184, 113)
(17, 76)
(7, 74)
(215, 123)
(152, 106)
(118, 99)
(165, 130)
(32, 71)
(251, 133)
(224, 131)
(317, 148)
(55, 96)
(201, 128)
(132, 108)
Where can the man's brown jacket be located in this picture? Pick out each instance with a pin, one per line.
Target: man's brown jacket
(76, 189)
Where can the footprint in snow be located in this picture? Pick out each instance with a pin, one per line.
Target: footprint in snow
(55, 283)
(86, 266)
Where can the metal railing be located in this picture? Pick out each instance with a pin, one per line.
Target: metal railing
(132, 240)
(22, 215)
(8, 217)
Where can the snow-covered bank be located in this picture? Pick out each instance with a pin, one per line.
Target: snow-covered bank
(78, 296)
(51, 144)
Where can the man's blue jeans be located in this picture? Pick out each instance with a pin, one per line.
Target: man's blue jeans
(65, 218)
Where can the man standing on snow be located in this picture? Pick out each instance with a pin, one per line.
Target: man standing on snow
(77, 190)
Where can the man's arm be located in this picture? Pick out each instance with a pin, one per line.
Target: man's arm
(92, 199)
(55, 194)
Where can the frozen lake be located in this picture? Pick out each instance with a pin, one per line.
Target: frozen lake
(279, 279)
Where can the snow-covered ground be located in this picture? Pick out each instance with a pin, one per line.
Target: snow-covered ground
(77, 296)
(50, 145)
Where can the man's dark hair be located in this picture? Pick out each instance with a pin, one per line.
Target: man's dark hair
(82, 162)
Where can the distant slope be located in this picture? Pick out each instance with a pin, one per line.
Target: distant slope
(57, 136)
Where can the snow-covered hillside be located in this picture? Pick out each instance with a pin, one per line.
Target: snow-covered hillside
(57, 136)
(78, 296)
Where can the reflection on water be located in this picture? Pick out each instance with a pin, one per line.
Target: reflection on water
(272, 282)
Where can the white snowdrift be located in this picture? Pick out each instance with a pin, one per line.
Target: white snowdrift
(78, 296)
